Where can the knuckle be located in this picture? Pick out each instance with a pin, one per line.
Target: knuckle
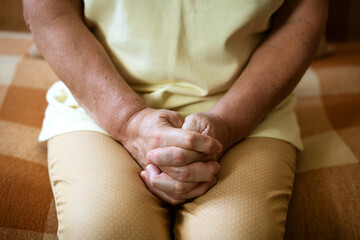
(189, 141)
(190, 117)
(153, 181)
(176, 115)
(179, 159)
(155, 155)
(214, 168)
(175, 201)
(210, 171)
(179, 188)
(155, 141)
(210, 177)
(184, 174)
(204, 189)
(149, 157)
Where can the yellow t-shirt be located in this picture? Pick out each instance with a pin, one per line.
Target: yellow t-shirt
(181, 55)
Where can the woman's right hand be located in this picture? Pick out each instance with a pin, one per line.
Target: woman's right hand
(150, 129)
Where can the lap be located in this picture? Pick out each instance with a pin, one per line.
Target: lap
(250, 200)
(98, 191)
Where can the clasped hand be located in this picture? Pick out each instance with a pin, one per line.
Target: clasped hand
(178, 157)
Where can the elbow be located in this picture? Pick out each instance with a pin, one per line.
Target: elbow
(319, 22)
(319, 16)
(26, 13)
(44, 13)
(30, 11)
(39, 13)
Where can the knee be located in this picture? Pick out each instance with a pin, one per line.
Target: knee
(100, 226)
(239, 221)
(80, 224)
(104, 220)
(254, 221)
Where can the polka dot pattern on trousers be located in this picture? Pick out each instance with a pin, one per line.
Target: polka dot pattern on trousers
(99, 194)
(98, 191)
(250, 200)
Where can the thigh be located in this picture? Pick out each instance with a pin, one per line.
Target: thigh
(250, 200)
(98, 191)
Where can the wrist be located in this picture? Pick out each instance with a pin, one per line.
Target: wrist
(113, 113)
(238, 123)
(223, 131)
(130, 121)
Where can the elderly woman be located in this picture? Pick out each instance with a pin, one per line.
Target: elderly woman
(173, 102)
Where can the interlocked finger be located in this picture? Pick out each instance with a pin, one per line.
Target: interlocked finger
(195, 172)
(152, 172)
(176, 156)
(188, 140)
(167, 184)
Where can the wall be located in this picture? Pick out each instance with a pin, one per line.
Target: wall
(344, 20)
(11, 17)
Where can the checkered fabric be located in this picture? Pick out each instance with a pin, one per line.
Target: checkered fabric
(27, 209)
(326, 198)
(326, 195)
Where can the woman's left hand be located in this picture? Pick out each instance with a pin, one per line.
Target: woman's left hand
(212, 125)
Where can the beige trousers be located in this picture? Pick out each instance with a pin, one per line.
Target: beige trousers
(99, 194)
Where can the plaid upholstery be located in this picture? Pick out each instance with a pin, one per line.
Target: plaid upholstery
(326, 198)
(27, 209)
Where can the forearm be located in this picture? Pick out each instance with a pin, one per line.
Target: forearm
(275, 67)
(82, 63)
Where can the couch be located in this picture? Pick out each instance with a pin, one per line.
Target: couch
(326, 196)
